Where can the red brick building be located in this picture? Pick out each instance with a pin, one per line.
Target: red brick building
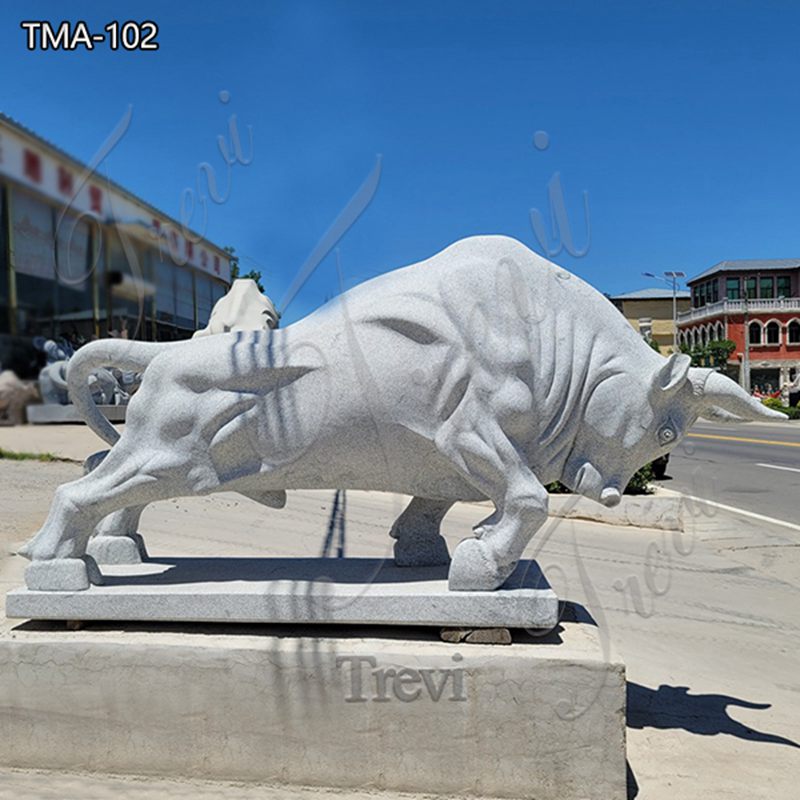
(755, 304)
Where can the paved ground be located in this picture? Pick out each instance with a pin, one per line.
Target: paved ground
(754, 466)
(707, 622)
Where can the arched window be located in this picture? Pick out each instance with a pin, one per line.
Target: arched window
(720, 331)
(773, 332)
(712, 333)
(794, 332)
(754, 332)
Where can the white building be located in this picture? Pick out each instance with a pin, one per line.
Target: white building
(81, 257)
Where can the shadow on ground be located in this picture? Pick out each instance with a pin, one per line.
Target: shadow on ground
(704, 714)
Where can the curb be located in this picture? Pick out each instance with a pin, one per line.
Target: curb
(662, 510)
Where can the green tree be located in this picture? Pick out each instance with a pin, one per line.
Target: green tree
(254, 274)
(652, 343)
(713, 354)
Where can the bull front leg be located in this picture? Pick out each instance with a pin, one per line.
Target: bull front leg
(416, 531)
(484, 455)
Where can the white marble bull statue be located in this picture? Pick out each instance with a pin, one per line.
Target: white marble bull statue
(484, 372)
(243, 308)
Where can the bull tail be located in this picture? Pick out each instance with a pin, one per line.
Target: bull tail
(120, 353)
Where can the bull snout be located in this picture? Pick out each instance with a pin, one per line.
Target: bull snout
(589, 482)
(610, 497)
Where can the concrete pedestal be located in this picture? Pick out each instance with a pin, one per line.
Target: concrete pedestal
(541, 719)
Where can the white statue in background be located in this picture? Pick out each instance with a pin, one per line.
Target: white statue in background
(243, 308)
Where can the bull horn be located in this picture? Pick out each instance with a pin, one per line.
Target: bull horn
(716, 414)
(729, 396)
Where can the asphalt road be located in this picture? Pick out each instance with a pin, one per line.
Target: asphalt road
(754, 466)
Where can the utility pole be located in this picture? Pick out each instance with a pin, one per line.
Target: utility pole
(670, 277)
(746, 359)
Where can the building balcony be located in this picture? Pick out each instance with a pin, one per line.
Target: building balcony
(778, 305)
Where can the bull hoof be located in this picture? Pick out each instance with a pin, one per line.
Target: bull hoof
(45, 548)
(420, 551)
(128, 549)
(474, 569)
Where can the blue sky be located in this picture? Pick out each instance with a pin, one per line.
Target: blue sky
(680, 121)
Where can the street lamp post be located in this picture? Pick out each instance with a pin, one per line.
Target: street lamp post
(746, 359)
(670, 277)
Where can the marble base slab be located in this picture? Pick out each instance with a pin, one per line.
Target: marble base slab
(362, 591)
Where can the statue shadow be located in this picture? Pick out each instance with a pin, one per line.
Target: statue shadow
(670, 707)
(673, 707)
(171, 570)
(336, 527)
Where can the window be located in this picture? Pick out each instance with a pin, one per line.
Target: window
(184, 299)
(732, 288)
(773, 333)
(74, 307)
(784, 286)
(767, 288)
(794, 332)
(218, 290)
(750, 283)
(72, 252)
(34, 253)
(202, 286)
(165, 292)
(700, 295)
(754, 331)
(714, 290)
(127, 310)
(34, 264)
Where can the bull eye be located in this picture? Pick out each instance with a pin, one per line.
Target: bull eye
(666, 435)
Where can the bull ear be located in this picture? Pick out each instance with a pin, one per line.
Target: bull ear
(674, 373)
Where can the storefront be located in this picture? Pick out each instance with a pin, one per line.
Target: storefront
(82, 258)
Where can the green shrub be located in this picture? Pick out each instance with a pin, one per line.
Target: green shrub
(639, 483)
(793, 412)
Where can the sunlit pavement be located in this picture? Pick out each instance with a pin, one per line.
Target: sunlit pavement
(754, 466)
(706, 620)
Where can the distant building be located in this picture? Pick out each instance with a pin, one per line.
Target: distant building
(649, 311)
(81, 257)
(755, 304)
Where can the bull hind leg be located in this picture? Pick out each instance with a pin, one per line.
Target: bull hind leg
(124, 480)
(483, 454)
(116, 538)
(416, 531)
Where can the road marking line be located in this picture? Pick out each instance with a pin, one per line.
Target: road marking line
(742, 439)
(744, 513)
(778, 466)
